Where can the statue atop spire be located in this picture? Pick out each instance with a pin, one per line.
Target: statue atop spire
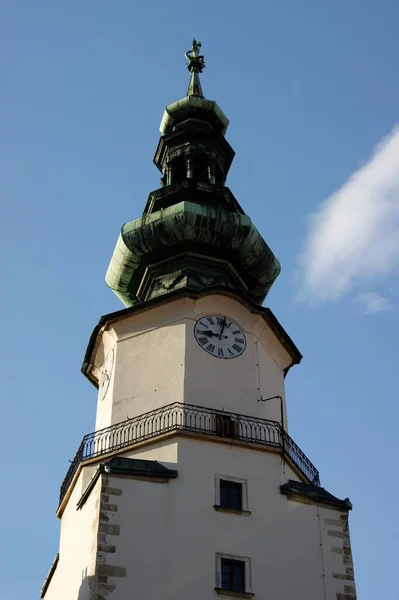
(196, 64)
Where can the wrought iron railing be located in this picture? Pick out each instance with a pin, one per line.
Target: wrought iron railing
(197, 419)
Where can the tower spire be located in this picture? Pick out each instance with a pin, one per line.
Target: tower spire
(193, 234)
(196, 63)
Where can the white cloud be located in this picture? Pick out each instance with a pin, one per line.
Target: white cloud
(354, 236)
(373, 302)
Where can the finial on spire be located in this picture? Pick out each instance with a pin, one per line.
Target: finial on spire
(196, 64)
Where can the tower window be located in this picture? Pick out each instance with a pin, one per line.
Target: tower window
(226, 426)
(233, 574)
(200, 172)
(178, 170)
(230, 494)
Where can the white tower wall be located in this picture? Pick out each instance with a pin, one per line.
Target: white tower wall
(158, 361)
(162, 538)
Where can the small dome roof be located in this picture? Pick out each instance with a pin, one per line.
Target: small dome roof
(195, 107)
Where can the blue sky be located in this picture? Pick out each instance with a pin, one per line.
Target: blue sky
(312, 95)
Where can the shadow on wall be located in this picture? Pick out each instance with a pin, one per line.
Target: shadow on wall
(91, 589)
(86, 590)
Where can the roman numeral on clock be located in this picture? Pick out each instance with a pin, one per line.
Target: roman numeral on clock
(202, 340)
(237, 348)
(220, 352)
(210, 348)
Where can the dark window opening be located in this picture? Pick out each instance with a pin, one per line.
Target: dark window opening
(200, 168)
(230, 494)
(226, 426)
(178, 170)
(219, 178)
(233, 575)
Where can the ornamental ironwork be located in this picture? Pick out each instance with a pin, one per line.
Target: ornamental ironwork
(195, 419)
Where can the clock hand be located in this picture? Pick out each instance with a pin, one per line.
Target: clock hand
(223, 326)
(210, 333)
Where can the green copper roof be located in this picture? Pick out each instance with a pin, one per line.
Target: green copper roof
(193, 235)
(314, 493)
(187, 227)
(194, 105)
(138, 466)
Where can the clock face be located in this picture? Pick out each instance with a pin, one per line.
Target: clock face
(106, 374)
(220, 336)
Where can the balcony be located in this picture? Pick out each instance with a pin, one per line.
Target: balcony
(196, 420)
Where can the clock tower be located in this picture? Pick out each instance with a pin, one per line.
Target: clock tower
(191, 486)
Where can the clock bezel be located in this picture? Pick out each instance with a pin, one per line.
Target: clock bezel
(232, 321)
(110, 356)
